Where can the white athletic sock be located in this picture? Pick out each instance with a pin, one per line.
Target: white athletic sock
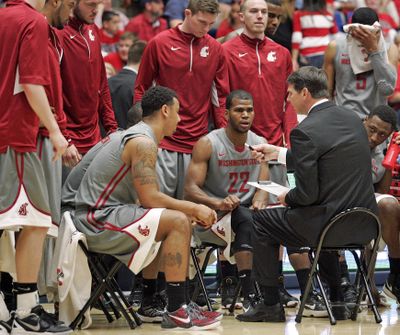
(25, 303)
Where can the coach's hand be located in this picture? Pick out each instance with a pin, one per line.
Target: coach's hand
(59, 142)
(204, 216)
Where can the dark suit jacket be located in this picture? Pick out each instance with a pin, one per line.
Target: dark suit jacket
(332, 163)
(121, 89)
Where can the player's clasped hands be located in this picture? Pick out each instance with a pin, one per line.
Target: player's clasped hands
(204, 216)
(229, 203)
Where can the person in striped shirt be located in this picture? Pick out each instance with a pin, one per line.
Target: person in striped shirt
(313, 27)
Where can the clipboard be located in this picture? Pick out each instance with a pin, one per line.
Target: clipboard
(269, 186)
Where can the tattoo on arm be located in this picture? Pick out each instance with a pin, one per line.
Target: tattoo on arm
(173, 260)
(144, 168)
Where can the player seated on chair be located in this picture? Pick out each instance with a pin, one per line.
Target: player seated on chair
(379, 125)
(218, 173)
(121, 173)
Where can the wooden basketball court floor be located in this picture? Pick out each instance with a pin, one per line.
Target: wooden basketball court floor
(365, 325)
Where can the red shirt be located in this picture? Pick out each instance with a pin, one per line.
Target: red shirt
(224, 29)
(54, 91)
(261, 68)
(24, 60)
(115, 60)
(87, 98)
(195, 68)
(109, 43)
(311, 30)
(144, 29)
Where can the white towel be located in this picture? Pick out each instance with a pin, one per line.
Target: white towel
(359, 60)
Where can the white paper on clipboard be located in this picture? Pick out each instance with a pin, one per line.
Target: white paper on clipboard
(271, 187)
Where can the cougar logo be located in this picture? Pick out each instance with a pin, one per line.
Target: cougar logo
(221, 230)
(22, 210)
(271, 57)
(91, 36)
(204, 52)
(144, 231)
(60, 276)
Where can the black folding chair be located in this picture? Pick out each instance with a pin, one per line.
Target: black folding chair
(352, 230)
(106, 292)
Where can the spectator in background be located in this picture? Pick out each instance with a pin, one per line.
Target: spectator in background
(283, 34)
(150, 23)
(312, 27)
(107, 5)
(394, 99)
(117, 60)
(122, 84)
(232, 22)
(109, 33)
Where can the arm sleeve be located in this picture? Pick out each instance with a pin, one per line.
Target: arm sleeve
(305, 160)
(147, 71)
(106, 112)
(220, 89)
(33, 59)
(384, 73)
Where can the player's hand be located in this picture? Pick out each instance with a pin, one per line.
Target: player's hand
(204, 216)
(60, 144)
(229, 203)
(281, 198)
(368, 38)
(265, 152)
(71, 156)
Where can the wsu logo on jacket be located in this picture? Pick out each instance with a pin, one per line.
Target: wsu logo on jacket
(204, 52)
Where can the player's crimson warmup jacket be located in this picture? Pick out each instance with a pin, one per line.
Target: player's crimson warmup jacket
(87, 98)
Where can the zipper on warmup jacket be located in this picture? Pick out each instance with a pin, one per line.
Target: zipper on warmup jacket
(87, 44)
(258, 59)
(191, 55)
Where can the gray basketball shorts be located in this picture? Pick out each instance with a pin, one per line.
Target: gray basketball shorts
(52, 173)
(171, 170)
(23, 193)
(126, 232)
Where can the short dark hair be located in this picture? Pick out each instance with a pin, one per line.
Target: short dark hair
(134, 114)
(156, 97)
(312, 78)
(206, 6)
(237, 94)
(365, 15)
(108, 15)
(128, 36)
(386, 114)
(275, 2)
(136, 51)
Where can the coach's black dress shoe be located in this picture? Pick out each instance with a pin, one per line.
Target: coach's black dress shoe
(263, 313)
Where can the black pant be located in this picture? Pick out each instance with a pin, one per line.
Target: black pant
(272, 230)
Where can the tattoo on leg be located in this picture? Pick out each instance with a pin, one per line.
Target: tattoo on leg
(172, 260)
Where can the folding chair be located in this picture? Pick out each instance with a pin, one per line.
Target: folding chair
(352, 230)
(201, 271)
(105, 285)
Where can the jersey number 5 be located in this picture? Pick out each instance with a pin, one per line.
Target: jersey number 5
(239, 178)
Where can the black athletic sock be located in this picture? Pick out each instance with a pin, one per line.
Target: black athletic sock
(336, 294)
(22, 288)
(281, 268)
(161, 282)
(149, 288)
(302, 277)
(188, 294)
(228, 269)
(394, 264)
(271, 295)
(247, 282)
(176, 295)
(344, 270)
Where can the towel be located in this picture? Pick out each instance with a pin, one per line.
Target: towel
(359, 60)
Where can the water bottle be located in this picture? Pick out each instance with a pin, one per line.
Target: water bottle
(392, 153)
